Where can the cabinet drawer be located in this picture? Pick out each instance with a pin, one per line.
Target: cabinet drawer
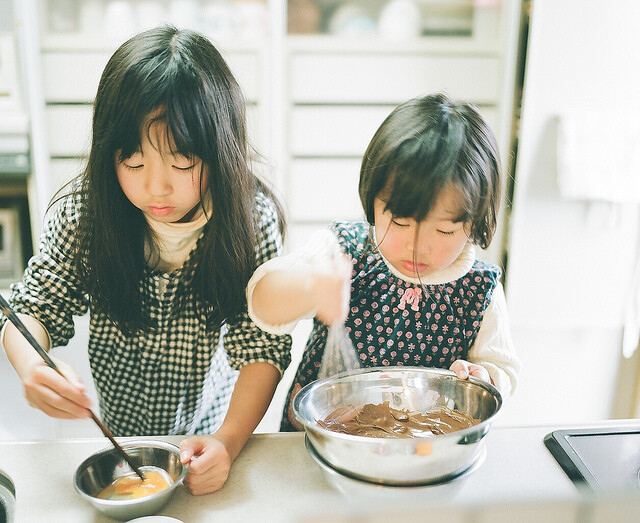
(324, 189)
(62, 170)
(345, 130)
(69, 128)
(334, 130)
(74, 77)
(392, 78)
(247, 69)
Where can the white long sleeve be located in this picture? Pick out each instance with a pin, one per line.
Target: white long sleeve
(493, 347)
(321, 248)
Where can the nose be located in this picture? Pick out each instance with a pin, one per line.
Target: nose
(158, 183)
(419, 243)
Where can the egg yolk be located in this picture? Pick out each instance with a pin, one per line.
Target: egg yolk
(132, 487)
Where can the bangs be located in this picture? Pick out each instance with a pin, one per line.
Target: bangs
(166, 94)
(418, 202)
(422, 168)
(158, 131)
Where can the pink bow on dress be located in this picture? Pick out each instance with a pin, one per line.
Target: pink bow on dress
(411, 296)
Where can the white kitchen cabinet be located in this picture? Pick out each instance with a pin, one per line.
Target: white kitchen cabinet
(360, 75)
(571, 290)
(314, 100)
(309, 177)
(340, 87)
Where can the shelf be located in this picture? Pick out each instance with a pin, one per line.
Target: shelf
(314, 98)
(468, 46)
(80, 42)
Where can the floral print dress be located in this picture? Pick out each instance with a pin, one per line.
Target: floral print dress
(394, 322)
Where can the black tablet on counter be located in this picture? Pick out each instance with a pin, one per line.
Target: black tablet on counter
(602, 460)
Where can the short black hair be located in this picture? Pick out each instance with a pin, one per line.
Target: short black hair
(425, 145)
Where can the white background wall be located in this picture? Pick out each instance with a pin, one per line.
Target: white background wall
(571, 260)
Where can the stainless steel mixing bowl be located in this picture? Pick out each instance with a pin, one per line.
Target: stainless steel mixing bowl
(398, 461)
(103, 467)
(7, 498)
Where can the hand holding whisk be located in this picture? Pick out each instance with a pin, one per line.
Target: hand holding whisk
(13, 318)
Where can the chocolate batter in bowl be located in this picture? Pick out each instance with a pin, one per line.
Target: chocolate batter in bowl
(421, 459)
(383, 421)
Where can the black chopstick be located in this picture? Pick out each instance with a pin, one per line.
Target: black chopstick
(13, 318)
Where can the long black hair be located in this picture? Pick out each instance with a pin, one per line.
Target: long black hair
(180, 78)
(425, 145)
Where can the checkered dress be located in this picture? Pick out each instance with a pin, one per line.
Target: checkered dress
(177, 377)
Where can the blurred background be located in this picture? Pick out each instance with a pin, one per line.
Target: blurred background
(558, 82)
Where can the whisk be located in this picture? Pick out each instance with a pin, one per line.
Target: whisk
(13, 318)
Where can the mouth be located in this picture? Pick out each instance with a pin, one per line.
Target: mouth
(160, 211)
(414, 268)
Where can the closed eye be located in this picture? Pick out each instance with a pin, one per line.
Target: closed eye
(133, 167)
(189, 168)
(447, 233)
(398, 224)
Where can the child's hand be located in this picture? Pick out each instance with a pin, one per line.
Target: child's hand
(210, 466)
(464, 369)
(329, 289)
(292, 418)
(56, 396)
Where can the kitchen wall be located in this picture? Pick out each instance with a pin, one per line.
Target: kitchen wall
(571, 250)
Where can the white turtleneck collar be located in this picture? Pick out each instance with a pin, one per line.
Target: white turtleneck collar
(175, 241)
(461, 266)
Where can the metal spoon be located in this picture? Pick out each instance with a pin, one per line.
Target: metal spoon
(13, 318)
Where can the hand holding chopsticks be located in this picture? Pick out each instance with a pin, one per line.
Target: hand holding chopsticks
(13, 318)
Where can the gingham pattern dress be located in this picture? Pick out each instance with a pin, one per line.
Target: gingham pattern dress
(176, 378)
(395, 322)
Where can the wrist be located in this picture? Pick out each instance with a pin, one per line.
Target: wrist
(231, 440)
(22, 356)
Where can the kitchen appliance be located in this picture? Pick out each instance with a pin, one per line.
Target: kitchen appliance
(15, 164)
(599, 460)
(11, 264)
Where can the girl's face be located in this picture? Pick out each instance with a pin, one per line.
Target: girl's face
(439, 239)
(165, 186)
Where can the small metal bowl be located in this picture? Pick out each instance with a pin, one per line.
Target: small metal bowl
(398, 461)
(100, 469)
(7, 498)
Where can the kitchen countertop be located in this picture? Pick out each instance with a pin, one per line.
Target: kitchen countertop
(275, 479)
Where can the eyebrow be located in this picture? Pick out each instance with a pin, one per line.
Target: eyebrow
(449, 214)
